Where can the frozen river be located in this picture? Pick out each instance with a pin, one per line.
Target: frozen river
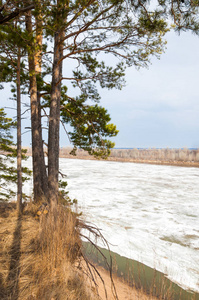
(148, 213)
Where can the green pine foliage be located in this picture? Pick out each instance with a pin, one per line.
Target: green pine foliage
(83, 46)
(91, 127)
(94, 31)
(8, 153)
(103, 37)
(184, 14)
(8, 174)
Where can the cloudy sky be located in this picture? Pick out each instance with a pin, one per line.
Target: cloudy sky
(159, 107)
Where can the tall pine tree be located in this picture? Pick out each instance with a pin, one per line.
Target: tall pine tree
(102, 38)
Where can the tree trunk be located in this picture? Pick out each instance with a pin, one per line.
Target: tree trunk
(54, 122)
(43, 170)
(19, 167)
(37, 143)
(38, 64)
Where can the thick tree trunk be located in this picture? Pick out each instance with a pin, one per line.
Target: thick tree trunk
(39, 170)
(54, 122)
(38, 66)
(19, 167)
(43, 170)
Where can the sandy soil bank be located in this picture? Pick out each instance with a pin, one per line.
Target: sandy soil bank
(120, 290)
(8, 228)
(123, 290)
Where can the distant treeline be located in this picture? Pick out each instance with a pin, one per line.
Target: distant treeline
(157, 155)
(167, 154)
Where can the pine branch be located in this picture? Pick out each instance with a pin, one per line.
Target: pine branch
(14, 14)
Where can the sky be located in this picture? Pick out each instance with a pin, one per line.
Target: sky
(158, 107)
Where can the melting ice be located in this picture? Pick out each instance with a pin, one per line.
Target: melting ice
(148, 213)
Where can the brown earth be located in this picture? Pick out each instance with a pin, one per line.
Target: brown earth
(10, 260)
(123, 290)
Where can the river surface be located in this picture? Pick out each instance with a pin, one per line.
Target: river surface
(148, 213)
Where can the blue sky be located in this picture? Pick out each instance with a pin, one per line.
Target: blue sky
(159, 106)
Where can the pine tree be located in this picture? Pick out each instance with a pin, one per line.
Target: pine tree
(8, 173)
(9, 11)
(81, 30)
(11, 69)
(19, 150)
(184, 14)
(88, 32)
(8, 155)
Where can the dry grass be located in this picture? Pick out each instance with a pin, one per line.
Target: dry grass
(40, 259)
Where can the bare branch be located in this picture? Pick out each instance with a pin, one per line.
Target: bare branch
(15, 13)
(97, 233)
(86, 26)
(26, 131)
(102, 48)
(25, 111)
(65, 130)
(62, 174)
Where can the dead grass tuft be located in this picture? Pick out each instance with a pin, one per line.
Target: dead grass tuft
(40, 258)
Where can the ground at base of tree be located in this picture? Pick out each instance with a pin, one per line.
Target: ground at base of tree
(33, 265)
(124, 291)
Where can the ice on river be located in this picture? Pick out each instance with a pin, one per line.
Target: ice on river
(148, 213)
